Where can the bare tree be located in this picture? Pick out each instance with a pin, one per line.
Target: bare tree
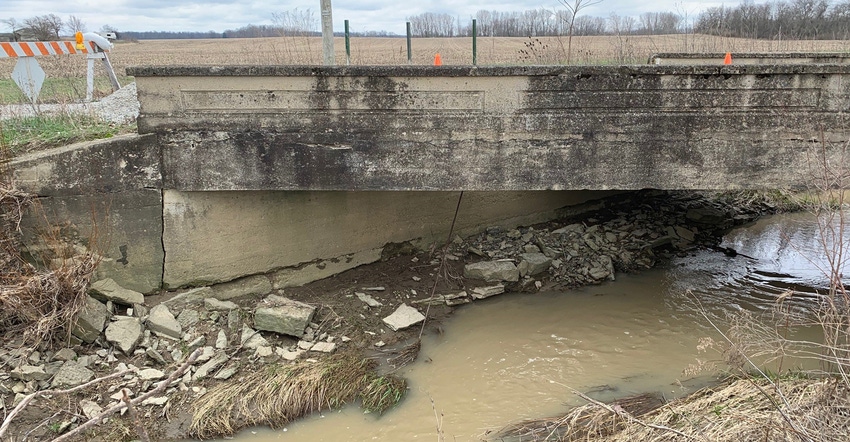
(45, 27)
(75, 24)
(295, 22)
(574, 7)
(11, 23)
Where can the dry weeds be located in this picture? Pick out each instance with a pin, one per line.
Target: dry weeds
(277, 394)
(36, 304)
(746, 409)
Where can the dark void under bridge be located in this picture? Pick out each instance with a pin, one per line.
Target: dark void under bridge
(492, 128)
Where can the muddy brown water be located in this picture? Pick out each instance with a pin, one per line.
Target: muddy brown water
(521, 356)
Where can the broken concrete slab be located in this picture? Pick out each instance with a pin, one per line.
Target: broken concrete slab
(282, 315)
(109, 290)
(162, 322)
(486, 292)
(492, 271)
(124, 334)
(404, 316)
(90, 321)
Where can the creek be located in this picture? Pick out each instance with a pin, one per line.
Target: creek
(520, 356)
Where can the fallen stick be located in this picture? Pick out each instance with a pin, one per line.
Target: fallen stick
(108, 412)
(15, 411)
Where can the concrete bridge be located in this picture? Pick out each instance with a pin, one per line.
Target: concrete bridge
(490, 128)
(259, 170)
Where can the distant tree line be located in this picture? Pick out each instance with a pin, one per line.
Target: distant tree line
(543, 22)
(795, 19)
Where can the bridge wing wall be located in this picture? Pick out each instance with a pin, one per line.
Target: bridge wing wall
(494, 128)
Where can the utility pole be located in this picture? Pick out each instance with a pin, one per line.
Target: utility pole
(327, 33)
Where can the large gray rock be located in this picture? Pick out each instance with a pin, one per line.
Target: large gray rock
(30, 373)
(404, 316)
(492, 271)
(162, 322)
(537, 263)
(125, 334)
(90, 321)
(71, 374)
(109, 290)
(282, 315)
(251, 285)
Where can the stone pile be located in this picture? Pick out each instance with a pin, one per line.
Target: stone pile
(624, 236)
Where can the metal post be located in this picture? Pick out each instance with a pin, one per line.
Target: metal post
(327, 33)
(409, 53)
(474, 43)
(347, 45)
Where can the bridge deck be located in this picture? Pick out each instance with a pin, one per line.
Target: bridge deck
(491, 128)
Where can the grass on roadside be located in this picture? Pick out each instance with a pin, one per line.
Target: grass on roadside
(59, 90)
(28, 134)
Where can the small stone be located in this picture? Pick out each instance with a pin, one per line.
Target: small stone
(404, 316)
(345, 339)
(486, 292)
(380, 344)
(264, 351)
(416, 278)
(324, 347)
(374, 289)
(71, 374)
(206, 354)
(156, 356)
(155, 400)
(221, 340)
(108, 290)
(90, 321)
(205, 369)
(225, 373)
(150, 374)
(213, 304)
(34, 358)
(492, 271)
(370, 301)
(124, 334)
(305, 345)
(162, 322)
(251, 338)
(288, 355)
(65, 354)
(90, 409)
(188, 318)
(30, 373)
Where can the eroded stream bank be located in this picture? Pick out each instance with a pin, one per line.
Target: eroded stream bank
(519, 356)
(635, 231)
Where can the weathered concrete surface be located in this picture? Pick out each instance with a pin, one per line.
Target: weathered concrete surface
(490, 128)
(739, 58)
(104, 195)
(218, 236)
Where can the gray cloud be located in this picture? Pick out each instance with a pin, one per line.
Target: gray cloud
(219, 15)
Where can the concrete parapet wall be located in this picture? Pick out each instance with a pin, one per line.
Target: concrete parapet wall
(494, 128)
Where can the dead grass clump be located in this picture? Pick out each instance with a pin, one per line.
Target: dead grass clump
(587, 422)
(745, 409)
(278, 394)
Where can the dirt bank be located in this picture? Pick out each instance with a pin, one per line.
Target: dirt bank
(621, 234)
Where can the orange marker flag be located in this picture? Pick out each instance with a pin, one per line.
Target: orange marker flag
(728, 59)
(437, 60)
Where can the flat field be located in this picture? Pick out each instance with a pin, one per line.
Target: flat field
(66, 74)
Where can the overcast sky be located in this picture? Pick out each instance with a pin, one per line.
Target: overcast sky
(363, 15)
